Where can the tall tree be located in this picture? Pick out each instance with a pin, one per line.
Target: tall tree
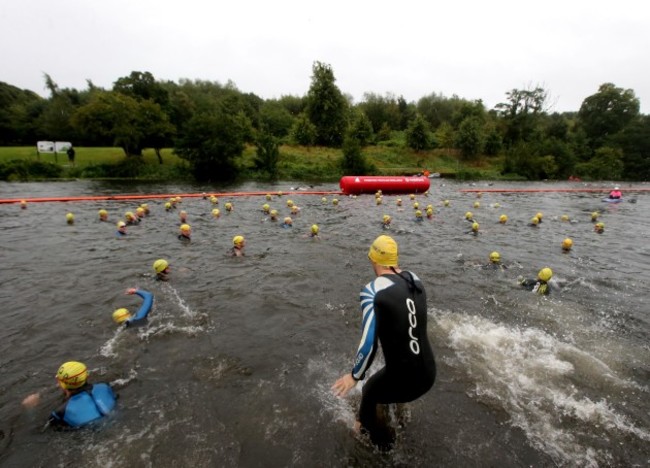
(522, 114)
(607, 112)
(470, 138)
(326, 106)
(417, 134)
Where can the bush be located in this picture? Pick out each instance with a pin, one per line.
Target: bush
(20, 169)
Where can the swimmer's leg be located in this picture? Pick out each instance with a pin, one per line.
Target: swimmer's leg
(373, 412)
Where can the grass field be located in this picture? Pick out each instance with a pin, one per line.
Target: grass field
(296, 162)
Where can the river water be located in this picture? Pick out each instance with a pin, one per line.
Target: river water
(235, 365)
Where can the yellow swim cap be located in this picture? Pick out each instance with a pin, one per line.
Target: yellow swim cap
(160, 265)
(72, 374)
(216, 212)
(268, 196)
(121, 315)
(446, 202)
(539, 215)
(429, 207)
(288, 220)
(266, 207)
(378, 200)
(496, 205)
(121, 224)
(565, 217)
(228, 206)
(416, 205)
(595, 215)
(103, 213)
(383, 251)
(335, 201)
(503, 219)
(475, 226)
(418, 213)
(186, 227)
(168, 206)
(469, 215)
(274, 212)
(545, 274)
(214, 200)
(69, 218)
(534, 220)
(429, 211)
(495, 257)
(279, 193)
(238, 240)
(412, 197)
(477, 204)
(324, 200)
(129, 215)
(289, 203)
(314, 228)
(139, 210)
(567, 244)
(386, 218)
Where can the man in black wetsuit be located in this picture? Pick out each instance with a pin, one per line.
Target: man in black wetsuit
(394, 308)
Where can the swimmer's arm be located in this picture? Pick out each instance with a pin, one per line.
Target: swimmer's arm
(366, 349)
(145, 308)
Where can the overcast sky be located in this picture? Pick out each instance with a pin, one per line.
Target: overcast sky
(476, 49)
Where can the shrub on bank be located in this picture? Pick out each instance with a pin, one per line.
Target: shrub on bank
(22, 170)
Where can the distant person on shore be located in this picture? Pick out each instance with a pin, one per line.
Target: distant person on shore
(71, 154)
(394, 307)
(84, 402)
(123, 316)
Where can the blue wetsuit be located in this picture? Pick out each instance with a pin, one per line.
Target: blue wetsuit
(144, 309)
(394, 311)
(87, 404)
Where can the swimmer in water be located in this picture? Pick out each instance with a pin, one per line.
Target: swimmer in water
(131, 219)
(288, 222)
(295, 210)
(146, 209)
(238, 244)
(69, 218)
(123, 316)
(161, 268)
(540, 284)
(216, 213)
(394, 307)
(418, 216)
(599, 227)
(23, 204)
(273, 215)
(567, 244)
(182, 216)
(534, 222)
(495, 262)
(84, 402)
(121, 229)
(385, 222)
(266, 209)
(475, 229)
(314, 231)
(139, 213)
(399, 202)
(186, 233)
(229, 207)
(594, 216)
(214, 200)
(168, 206)
(429, 213)
(103, 215)
(503, 219)
(539, 215)
(469, 216)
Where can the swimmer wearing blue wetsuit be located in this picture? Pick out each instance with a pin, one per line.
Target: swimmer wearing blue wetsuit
(124, 316)
(394, 308)
(85, 402)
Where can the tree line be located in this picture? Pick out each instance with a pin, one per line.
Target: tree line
(209, 124)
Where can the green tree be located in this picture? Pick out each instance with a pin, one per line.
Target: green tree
(303, 131)
(522, 114)
(607, 112)
(360, 127)
(606, 164)
(212, 142)
(275, 119)
(142, 86)
(493, 142)
(417, 134)
(384, 132)
(326, 106)
(353, 162)
(634, 140)
(445, 136)
(470, 138)
(268, 155)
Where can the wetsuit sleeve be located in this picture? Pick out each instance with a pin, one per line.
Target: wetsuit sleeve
(367, 347)
(145, 308)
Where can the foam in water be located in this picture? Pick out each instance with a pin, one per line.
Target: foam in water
(528, 373)
(108, 348)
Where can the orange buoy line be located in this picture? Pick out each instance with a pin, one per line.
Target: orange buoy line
(506, 190)
(156, 196)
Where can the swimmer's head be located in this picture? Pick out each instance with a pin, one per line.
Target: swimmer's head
(496, 205)
(214, 200)
(314, 229)
(279, 193)
(288, 221)
(186, 229)
(429, 207)
(289, 203)
(595, 215)
(103, 215)
(616, 188)
(129, 215)
(168, 206)
(139, 212)
(72, 375)
(121, 315)
(495, 257)
(545, 274)
(386, 219)
(216, 213)
(446, 202)
(475, 226)
(479, 194)
(469, 215)
(418, 213)
(567, 244)
(429, 212)
(383, 251)
(238, 241)
(268, 196)
(539, 215)
(160, 265)
(399, 202)
(599, 227)
(378, 200)
(228, 206)
(121, 226)
(69, 218)
(564, 218)
(477, 204)
(335, 201)
(294, 209)
(274, 214)
(183, 215)
(416, 205)
(412, 197)
(145, 207)
(534, 221)
(266, 208)
(324, 200)
(23, 204)
(503, 219)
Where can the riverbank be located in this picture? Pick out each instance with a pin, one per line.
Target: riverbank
(296, 163)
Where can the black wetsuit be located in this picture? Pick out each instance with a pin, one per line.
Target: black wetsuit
(535, 285)
(394, 310)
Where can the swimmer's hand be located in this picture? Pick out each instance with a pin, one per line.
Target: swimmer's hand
(343, 385)
(32, 400)
(131, 291)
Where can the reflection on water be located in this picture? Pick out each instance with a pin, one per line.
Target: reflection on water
(235, 364)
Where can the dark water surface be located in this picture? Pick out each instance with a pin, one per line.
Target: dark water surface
(235, 365)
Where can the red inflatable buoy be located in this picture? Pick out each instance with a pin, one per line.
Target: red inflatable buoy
(352, 185)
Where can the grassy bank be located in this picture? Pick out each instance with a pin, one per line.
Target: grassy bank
(296, 163)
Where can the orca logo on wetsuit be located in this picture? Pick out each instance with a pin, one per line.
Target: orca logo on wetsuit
(413, 322)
